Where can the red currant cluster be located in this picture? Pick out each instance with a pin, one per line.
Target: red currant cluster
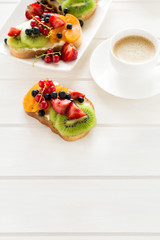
(37, 22)
(44, 95)
(51, 56)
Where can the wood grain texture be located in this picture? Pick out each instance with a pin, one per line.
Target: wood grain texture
(36, 151)
(84, 206)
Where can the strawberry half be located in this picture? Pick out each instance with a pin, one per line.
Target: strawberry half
(74, 112)
(75, 95)
(56, 22)
(69, 52)
(60, 105)
(34, 9)
(14, 32)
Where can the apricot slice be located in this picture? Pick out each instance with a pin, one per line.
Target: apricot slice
(72, 34)
(61, 88)
(68, 35)
(29, 102)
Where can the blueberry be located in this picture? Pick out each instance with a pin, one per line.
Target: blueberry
(42, 19)
(36, 30)
(28, 31)
(66, 10)
(54, 95)
(69, 26)
(5, 40)
(46, 19)
(43, 57)
(43, 2)
(81, 99)
(47, 15)
(47, 96)
(59, 35)
(60, 8)
(72, 100)
(62, 94)
(41, 113)
(34, 92)
(81, 22)
(68, 96)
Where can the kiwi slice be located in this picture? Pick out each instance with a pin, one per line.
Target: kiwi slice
(34, 41)
(79, 7)
(15, 42)
(52, 115)
(72, 127)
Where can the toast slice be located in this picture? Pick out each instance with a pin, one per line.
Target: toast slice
(51, 41)
(55, 4)
(46, 120)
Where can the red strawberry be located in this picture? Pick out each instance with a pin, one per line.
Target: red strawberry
(60, 105)
(75, 112)
(69, 52)
(75, 95)
(55, 21)
(14, 32)
(34, 9)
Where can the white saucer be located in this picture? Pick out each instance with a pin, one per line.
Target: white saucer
(110, 80)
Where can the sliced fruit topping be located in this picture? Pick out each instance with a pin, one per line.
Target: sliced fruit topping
(79, 7)
(56, 22)
(74, 112)
(75, 95)
(52, 115)
(69, 52)
(73, 127)
(60, 105)
(61, 88)
(70, 31)
(13, 32)
(34, 9)
(29, 102)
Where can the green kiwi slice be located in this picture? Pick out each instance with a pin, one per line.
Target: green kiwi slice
(72, 127)
(15, 42)
(52, 115)
(79, 7)
(34, 41)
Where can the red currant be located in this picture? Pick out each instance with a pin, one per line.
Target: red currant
(44, 105)
(45, 31)
(56, 58)
(51, 89)
(38, 18)
(33, 23)
(44, 91)
(50, 50)
(41, 83)
(48, 59)
(40, 26)
(38, 97)
(46, 10)
(49, 83)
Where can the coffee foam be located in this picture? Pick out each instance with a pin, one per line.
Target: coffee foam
(134, 49)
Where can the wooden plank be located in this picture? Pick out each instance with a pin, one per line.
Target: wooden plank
(105, 151)
(75, 237)
(80, 206)
(109, 109)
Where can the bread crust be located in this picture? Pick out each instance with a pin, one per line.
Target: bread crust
(55, 4)
(49, 124)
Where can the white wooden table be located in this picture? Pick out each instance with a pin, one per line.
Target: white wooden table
(103, 187)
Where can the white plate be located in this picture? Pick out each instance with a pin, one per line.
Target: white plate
(110, 81)
(89, 30)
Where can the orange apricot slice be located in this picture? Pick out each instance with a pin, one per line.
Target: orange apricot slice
(29, 102)
(68, 35)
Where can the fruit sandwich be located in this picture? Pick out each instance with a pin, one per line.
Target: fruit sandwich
(67, 112)
(50, 27)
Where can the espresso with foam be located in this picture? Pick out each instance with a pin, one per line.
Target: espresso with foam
(134, 49)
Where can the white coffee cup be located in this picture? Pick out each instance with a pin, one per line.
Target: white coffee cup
(134, 69)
